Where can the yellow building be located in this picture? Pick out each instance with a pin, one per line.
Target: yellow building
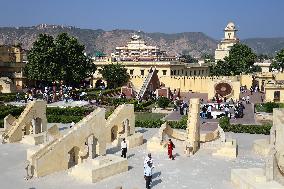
(11, 65)
(139, 58)
(227, 42)
(274, 91)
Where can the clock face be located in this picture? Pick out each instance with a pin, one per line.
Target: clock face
(223, 89)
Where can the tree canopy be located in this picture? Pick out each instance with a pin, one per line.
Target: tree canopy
(58, 59)
(278, 64)
(240, 60)
(187, 58)
(115, 74)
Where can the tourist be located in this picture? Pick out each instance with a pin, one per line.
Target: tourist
(181, 109)
(18, 97)
(148, 169)
(148, 158)
(209, 110)
(123, 148)
(72, 124)
(232, 101)
(171, 146)
(227, 111)
(203, 113)
(175, 105)
(26, 97)
(248, 99)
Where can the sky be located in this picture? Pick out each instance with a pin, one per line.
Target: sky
(253, 18)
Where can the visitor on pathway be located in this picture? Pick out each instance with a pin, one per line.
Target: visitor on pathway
(148, 158)
(72, 124)
(123, 148)
(247, 99)
(171, 146)
(148, 169)
(227, 111)
(203, 113)
(209, 110)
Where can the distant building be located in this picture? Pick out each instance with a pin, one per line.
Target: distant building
(11, 66)
(226, 44)
(141, 60)
(138, 50)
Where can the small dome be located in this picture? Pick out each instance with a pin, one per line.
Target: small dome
(230, 26)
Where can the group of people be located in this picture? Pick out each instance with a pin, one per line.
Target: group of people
(181, 106)
(148, 161)
(206, 111)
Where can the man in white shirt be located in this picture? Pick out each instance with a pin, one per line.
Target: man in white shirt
(123, 148)
(148, 158)
(148, 174)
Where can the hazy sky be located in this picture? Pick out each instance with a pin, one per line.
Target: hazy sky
(254, 18)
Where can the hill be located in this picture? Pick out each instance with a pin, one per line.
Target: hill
(194, 43)
(265, 45)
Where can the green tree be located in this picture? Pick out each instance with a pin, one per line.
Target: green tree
(75, 65)
(279, 61)
(42, 66)
(58, 59)
(163, 102)
(187, 58)
(115, 74)
(208, 58)
(240, 60)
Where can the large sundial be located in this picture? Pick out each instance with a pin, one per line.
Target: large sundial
(224, 89)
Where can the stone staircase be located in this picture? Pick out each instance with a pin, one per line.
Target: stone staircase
(18, 124)
(145, 84)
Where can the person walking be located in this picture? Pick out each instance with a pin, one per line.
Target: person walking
(209, 110)
(148, 169)
(123, 148)
(148, 158)
(203, 113)
(227, 111)
(248, 100)
(171, 146)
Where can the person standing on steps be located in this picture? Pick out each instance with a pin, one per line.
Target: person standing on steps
(171, 146)
(123, 148)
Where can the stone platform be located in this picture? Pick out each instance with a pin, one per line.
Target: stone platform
(253, 178)
(94, 170)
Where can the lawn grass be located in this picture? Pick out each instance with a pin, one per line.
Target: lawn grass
(142, 116)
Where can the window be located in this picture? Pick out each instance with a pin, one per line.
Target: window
(194, 72)
(142, 72)
(181, 72)
(198, 72)
(178, 72)
(175, 72)
(164, 72)
(190, 73)
(172, 72)
(202, 71)
(131, 72)
(276, 96)
(185, 73)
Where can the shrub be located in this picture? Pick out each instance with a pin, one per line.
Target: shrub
(163, 102)
(149, 123)
(268, 106)
(224, 123)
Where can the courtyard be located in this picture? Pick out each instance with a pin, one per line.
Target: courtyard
(199, 171)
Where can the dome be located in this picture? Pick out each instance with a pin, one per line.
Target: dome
(230, 26)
